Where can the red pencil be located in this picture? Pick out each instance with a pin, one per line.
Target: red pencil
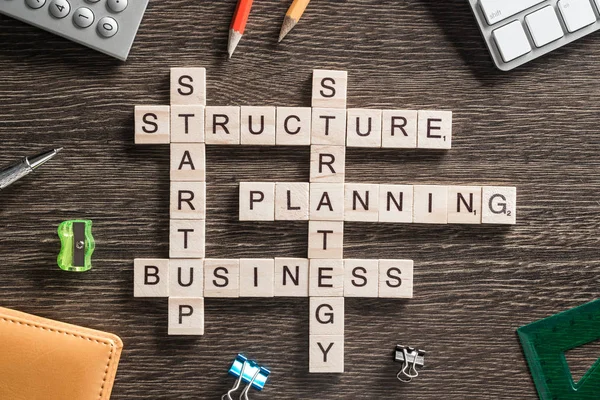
(238, 24)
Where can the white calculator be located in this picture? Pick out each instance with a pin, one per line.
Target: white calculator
(108, 26)
(518, 31)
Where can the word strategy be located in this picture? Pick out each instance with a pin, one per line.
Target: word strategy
(327, 202)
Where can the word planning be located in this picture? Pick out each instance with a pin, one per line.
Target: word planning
(327, 202)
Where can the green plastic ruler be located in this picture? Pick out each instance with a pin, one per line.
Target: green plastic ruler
(545, 343)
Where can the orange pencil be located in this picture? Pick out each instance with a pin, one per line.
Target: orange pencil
(238, 24)
(293, 15)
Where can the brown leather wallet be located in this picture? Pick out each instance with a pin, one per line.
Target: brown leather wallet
(42, 359)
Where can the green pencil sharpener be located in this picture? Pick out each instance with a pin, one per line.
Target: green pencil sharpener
(77, 245)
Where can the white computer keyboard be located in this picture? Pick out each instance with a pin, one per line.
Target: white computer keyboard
(518, 31)
(108, 26)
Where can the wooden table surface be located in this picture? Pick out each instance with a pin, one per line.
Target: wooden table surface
(534, 128)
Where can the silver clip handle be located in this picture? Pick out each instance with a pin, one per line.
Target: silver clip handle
(236, 386)
(409, 370)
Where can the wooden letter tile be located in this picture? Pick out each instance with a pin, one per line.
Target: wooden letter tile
(257, 277)
(327, 164)
(361, 202)
(187, 124)
(257, 201)
(186, 277)
(326, 354)
(396, 203)
(326, 316)
(221, 278)
(329, 88)
(396, 279)
(188, 200)
(291, 277)
(152, 124)
(222, 125)
(188, 86)
(187, 238)
(150, 277)
(188, 162)
(399, 129)
(499, 205)
(464, 205)
(364, 128)
(361, 278)
(326, 278)
(257, 126)
(430, 204)
(327, 201)
(291, 201)
(328, 126)
(293, 126)
(435, 130)
(325, 239)
(186, 316)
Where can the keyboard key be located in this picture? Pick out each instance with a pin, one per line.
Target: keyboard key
(107, 27)
(577, 14)
(60, 8)
(499, 10)
(512, 41)
(35, 4)
(83, 17)
(117, 6)
(544, 26)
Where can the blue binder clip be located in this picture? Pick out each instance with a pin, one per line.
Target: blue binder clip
(247, 371)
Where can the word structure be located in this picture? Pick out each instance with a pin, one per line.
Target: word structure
(188, 125)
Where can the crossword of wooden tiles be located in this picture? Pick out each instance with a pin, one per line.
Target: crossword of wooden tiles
(327, 202)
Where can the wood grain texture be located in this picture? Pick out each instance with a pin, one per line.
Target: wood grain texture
(535, 128)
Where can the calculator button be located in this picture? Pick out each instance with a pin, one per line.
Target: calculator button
(117, 5)
(577, 14)
(92, 1)
(83, 17)
(512, 41)
(107, 27)
(60, 8)
(544, 26)
(35, 4)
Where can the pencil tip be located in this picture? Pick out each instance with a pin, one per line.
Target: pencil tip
(234, 39)
(58, 150)
(286, 27)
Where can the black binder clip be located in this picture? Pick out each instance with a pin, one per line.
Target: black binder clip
(410, 358)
